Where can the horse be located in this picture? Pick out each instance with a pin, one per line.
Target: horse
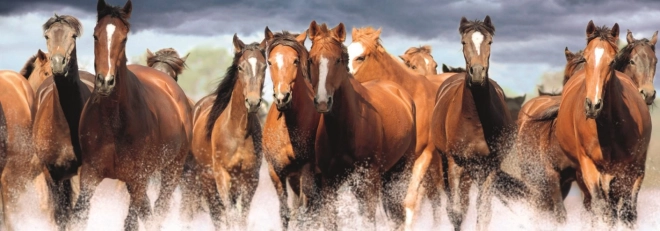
(542, 92)
(514, 104)
(638, 61)
(18, 163)
(167, 60)
(470, 124)
(60, 101)
(368, 128)
(420, 60)
(449, 69)
(575, 62)
(37, 69)
(233, 128)
(368, 60)
(135, 123)
(291, 125)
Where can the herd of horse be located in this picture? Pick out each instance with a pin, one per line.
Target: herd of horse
(406, 131)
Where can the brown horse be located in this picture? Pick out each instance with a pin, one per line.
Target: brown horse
(136, 122)
(449, 69)
(574, 63)
(37, 69)
(638, 60)
(542, 92)
(291, 125)
(19, 165)
(367, 126)
(420, 60)
(368, 60)
(470, 124)
(514, 104)
(167, 60)
(234, 129)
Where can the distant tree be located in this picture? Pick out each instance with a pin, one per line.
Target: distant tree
(206, 66)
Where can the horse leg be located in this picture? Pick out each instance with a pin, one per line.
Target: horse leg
(567, 178)
(484, 199)
(223, 184)
(138, 206)
(190, 201)
(90, 178)
(459, 189)
(592, 180)
(309, 191)
(329, 195)
(212, 199)
(367, 192)
(628, 212)
(170, 177)
(279, 181)
(419, 169)
(247, 190)
(434, 183)
(16, 176)
(546, 180)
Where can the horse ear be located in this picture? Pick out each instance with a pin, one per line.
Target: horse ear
(654, 38)
(127, 9)
(402, 57)
(591, 28)
(569, 54)
(42, 56)
(488, 22)
(313, 30)
(521, 99)
(629, 37)
(184, 58)
(354, 31)
(377, 33)
(301, 37)
(101, 5)
(149, 53)
(615, 31)
(445, 68)
(463, 21)
(340, 32)
(238, 44)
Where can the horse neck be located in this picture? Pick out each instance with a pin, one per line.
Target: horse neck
(483, 103)
(69, 94)
(387, 68)
(302, 103)
(612, 100)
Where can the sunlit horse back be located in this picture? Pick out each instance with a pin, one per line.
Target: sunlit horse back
(136, 122)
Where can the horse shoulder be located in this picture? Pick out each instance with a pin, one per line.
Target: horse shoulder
(21, 104)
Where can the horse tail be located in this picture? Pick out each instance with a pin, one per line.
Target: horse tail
(509, 187)
(549, 114)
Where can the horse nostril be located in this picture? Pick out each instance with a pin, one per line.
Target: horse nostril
(316, 100)
(598, 105)
(653, 96)
(329, 100)
(588, 103)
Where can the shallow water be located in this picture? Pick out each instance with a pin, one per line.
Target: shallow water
(110, 206)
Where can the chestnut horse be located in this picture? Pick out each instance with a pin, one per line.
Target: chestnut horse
(470, 124)
(368, 60)
(136, 122)
(234, 129)
(37, 69)
(368, 128)
(291, 125)
(18, 163)
(420, 60)
(60, 101)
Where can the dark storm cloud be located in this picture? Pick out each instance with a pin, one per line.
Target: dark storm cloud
(551, 24)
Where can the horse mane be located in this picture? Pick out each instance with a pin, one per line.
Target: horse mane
(602, 32)
(365, 35)
(476, 25)
(425, 49)
(29, 67)
(115, 12)
(224, 90)
(66, 19)
(286, 38)
(449, 69)
(623, 56)
(170, 57)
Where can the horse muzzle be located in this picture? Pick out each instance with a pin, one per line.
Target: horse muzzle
(282, 100)
(252, 105)
(59, 64)
(477, 75)
(104, 84)
(592, 110)
(323, 105)
(648, 94)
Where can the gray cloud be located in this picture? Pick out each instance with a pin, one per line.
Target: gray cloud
(540, 28)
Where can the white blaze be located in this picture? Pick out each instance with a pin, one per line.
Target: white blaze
(323, 75)
(253, 64)
(477, 38)
(279, 59)
(426, 61)
(598, 52)
(110, 29)
(354, 50)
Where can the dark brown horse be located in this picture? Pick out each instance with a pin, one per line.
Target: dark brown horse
(60, 101)
(136, 122)
(291, 125)
(470, 124)
(638, 60)
(167, 60)
(234, 130)
(366, 127)
(368, 60)
(37, 69)
(514, 104)
(19, 165)
(449, 69)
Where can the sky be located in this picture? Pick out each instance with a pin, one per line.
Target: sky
(530, 35)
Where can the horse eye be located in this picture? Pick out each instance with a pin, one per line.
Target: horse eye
(269, 63)
(46, 36)
(463, 42)
(491, 42)
(240, 68)
(632, 62)
(338, 60)
(414, 67)
(75, 36)
(361, 58)
(296, 61)
(96, 38)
